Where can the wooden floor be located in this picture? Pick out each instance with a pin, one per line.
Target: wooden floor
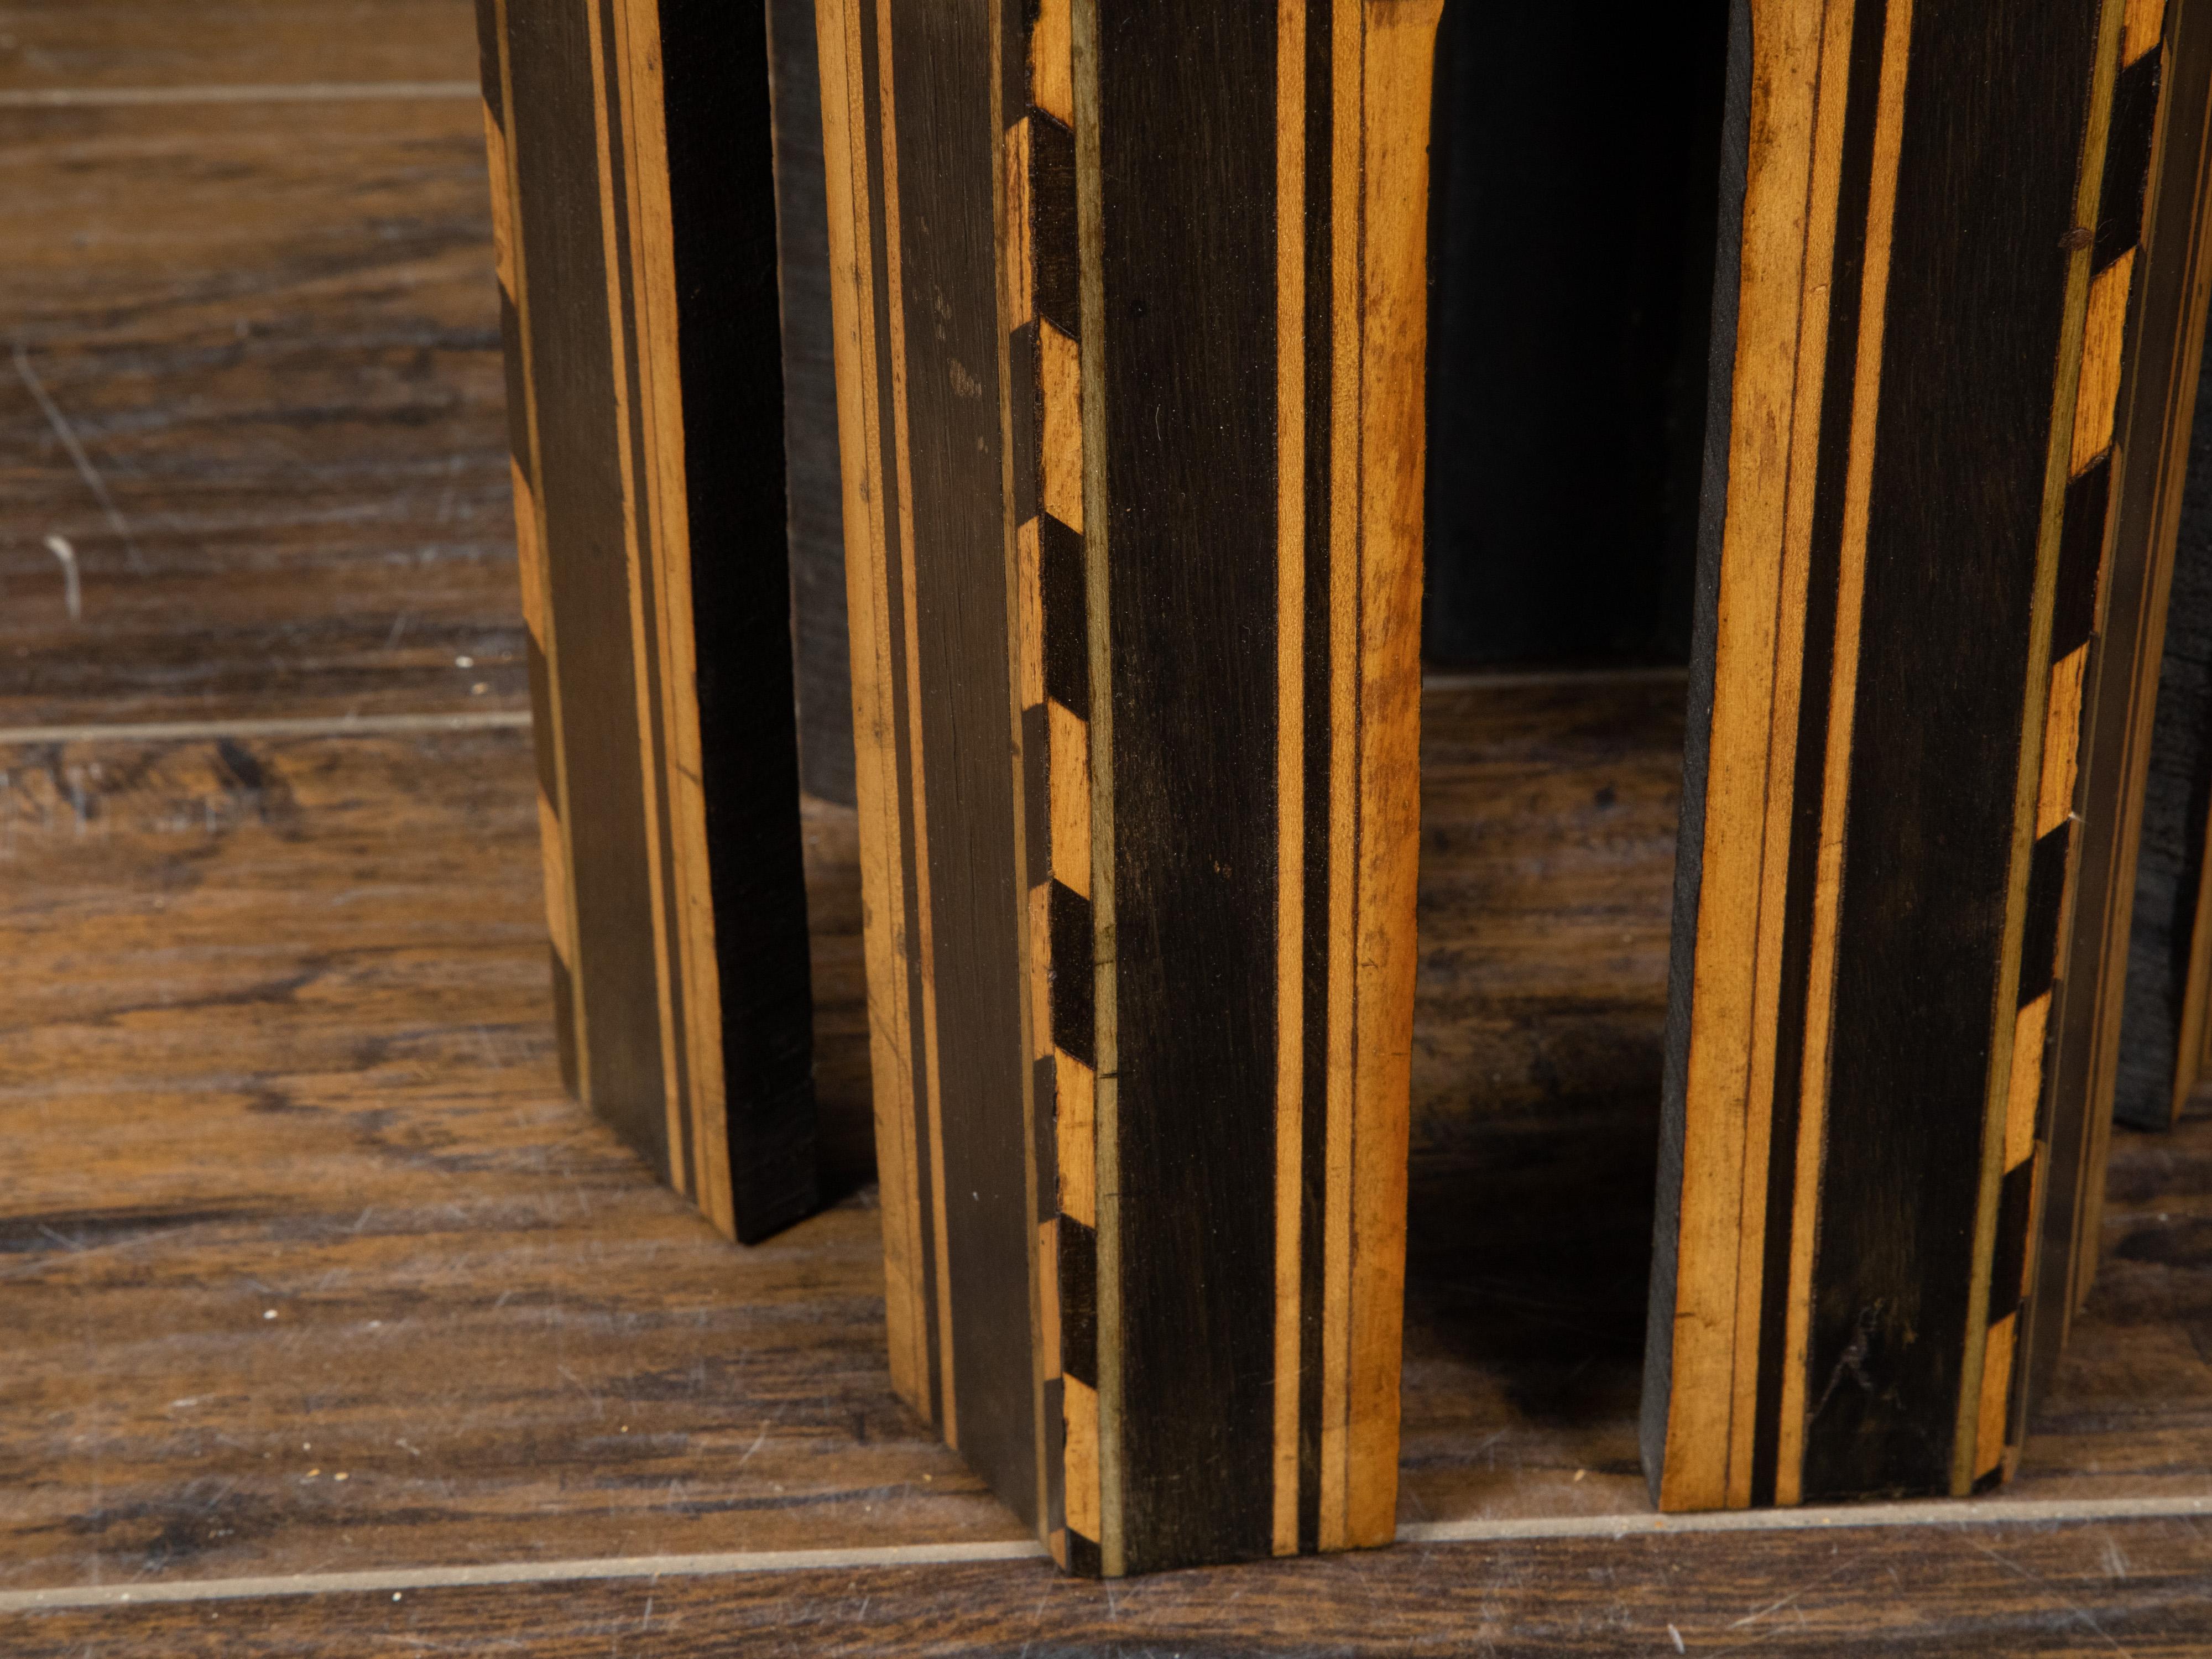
(333, 1327)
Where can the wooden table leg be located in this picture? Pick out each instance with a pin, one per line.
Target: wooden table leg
(1130, 333)
(635, 211)
(1908, 507)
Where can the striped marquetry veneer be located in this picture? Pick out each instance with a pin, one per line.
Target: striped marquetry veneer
(1926, 295)
(634, 210)
(1133, 486)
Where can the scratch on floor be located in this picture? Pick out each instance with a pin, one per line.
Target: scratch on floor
(85, 469)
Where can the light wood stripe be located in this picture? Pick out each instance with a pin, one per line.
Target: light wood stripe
(2062, 741)
(1831, 97)
(1835, 788)
(1059, 367)
(551, 847)
(2145, 23)
(1397, 75)
(1068, 785)
(838, 24)
(1040, 930)
(2099, 395)
(1291, 348)
(1995, 1390)
(1084, 31)
(1715, 1183)
(2026, 1091)
(529, 557)
(682, 769)
(1052, 62)
(503, 203)
(1077, 1138)
(1018, 218)
(1079, 1407)
(925, 951)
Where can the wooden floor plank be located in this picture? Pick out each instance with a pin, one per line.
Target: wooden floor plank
(50, 45)
(284, 1046)
(2142, 1588)
(272, 331)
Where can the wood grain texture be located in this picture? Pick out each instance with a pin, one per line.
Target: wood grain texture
(273, 330)
(1845, 1244)
(2080, 1589)
(76, 45)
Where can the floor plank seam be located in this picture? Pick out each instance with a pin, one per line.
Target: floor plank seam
(361, 725)
(399, 1581)
(304, 92)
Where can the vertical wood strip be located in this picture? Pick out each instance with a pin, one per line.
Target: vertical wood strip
(882, 858)
(1346, 82)
(1084, 68)
(1396, 75)
(1291, 348)
(1843, 702)
(1785, 42)
(924, 946)
(1965, 1462)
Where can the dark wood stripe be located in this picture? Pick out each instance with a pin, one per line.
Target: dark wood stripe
(1319, 345)
(1053, 236)
(723, 198)
(1044, 1085)
(949, 148)
(517, 387)
(2127, 159)
(2080, 556)
(1078, 1301)
(1817, 663)
(1074, 1008)
(1996, 105)
(2008, 1269)
(1066, 617)
(557, 164)
(814, 514)
(1025, 415)
(564, 1021)
(1188, 258)
(1036, 793)
(2046, 900)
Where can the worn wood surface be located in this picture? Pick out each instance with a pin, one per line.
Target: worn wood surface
(1906, 512)
(260, 995)
(273, 330)
(2137, 1589)
(76, 45)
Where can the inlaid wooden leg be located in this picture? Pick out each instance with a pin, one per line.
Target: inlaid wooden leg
(634, 212)
(1130, 319)
(2127, 1026)
(1930, 216)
